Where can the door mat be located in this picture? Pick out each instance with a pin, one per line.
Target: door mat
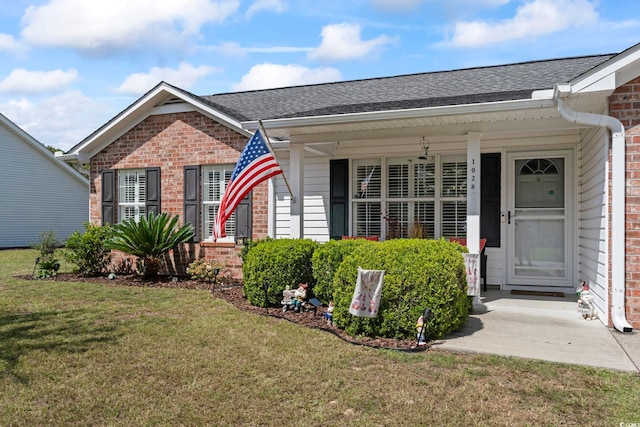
(538, 293)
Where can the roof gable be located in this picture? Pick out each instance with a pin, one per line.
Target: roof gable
(22, 135)
(163, 98)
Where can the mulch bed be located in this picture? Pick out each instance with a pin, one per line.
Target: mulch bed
(233, 294)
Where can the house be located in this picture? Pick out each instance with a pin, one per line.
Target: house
(37, 191)
(540, 158)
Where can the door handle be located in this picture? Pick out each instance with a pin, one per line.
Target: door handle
(508, 217)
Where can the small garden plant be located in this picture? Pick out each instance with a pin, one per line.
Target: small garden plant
(46, 264)
(205, 271)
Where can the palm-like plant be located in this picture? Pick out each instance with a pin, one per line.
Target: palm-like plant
(150, 239)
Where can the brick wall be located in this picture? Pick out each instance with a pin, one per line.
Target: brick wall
(625, 106)
(172, 141)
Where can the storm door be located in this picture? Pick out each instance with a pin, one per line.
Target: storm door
(539, 219)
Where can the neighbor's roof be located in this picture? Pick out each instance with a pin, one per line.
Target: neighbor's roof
(456, 87)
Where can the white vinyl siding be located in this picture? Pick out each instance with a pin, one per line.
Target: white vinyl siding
(316, 197)
(592, 215)
(214, 181)
(132, 192)
(37, 192)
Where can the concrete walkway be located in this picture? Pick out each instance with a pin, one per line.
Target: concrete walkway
(544, 328)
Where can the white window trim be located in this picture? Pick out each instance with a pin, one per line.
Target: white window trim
(207, 224)
(139, 202)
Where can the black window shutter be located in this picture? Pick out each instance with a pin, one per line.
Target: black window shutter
(192, 199)
(490, 199)
(152, 201)
(109, 196)
(243, 219)
(338, 198)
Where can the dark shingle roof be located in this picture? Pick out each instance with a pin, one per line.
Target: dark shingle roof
(466, 86)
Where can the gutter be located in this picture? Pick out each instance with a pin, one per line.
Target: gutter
(618, 170)
(411, 113)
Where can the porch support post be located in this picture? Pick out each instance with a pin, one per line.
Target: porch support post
(296, 176)
(473, 192)
(473, 203)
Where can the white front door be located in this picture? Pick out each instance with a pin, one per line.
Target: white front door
(540, 219)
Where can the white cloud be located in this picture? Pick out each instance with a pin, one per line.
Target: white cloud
(343, 41)
(60, 121)
(24, 81)
(103, 25)
(234, 49)
(185, 76)
(9, 44)
(266, 76)
(533, 19)
(258, 6)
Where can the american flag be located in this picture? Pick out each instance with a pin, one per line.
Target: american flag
(255, 165)
(365, 182)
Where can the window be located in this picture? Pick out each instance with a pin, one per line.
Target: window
(214, 181)
(132, 194)
(410, 197)
(454, 197)
(367, 207)
(203, 190)
(129, 193)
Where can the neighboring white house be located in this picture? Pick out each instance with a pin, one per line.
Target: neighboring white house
(37, 191)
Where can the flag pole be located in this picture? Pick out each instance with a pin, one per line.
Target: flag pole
(264, 132)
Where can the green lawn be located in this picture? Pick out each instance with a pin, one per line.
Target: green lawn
(86, 354)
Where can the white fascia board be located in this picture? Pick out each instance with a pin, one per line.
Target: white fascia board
(140, 110)
(449, 110)
(603, 77)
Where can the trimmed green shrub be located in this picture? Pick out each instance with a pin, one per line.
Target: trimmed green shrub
(250, 244)
(326, 260)
(88, 251)
(419, 274)
(278, 263)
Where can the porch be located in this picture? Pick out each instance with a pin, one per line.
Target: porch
(543, 328)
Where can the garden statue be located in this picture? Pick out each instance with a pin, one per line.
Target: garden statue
(328, 314)
(586, 306)
(420, 328)
(287, 298)
(300, 297)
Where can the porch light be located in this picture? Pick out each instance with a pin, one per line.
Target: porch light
(424, 144)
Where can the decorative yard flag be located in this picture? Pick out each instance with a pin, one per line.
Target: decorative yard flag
(366, 297)
(256, 164)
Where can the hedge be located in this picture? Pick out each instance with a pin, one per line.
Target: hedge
(419, 274)
(327, 259)
(277, 263)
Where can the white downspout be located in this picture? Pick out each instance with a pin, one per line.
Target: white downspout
(618, 170)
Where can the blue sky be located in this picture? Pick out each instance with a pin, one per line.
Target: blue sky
(69, 66)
